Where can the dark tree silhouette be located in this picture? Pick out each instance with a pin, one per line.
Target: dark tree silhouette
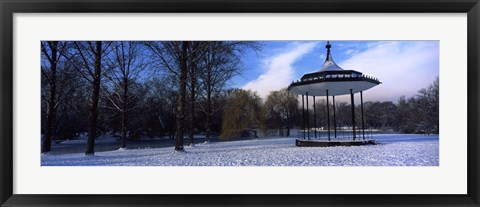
(173, 56)
(87, 57)
(51, 51)
(282, 107)
(121, 90)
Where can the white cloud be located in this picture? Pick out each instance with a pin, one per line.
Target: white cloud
(279, 71)
(322, 57)
(350, 51)
(402, 67)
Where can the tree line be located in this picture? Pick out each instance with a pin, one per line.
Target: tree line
(134, 89)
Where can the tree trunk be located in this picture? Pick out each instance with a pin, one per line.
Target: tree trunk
(47, 141)
(124, 113)
(95, 97)
(192, 103)
(209, 105)
(181, 98)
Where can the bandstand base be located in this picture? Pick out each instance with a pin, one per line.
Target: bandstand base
(326, 143)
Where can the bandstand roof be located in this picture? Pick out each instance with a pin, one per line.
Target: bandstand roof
(333, 78)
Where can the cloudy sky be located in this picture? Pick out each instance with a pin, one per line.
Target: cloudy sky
(403, 67)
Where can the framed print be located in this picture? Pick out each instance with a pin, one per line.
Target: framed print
(200, 103)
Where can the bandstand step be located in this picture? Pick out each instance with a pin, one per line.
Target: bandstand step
(326, 143)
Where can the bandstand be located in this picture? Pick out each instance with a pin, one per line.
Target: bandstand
(331, 80)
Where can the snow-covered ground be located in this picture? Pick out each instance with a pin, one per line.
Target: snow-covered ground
(391, 150)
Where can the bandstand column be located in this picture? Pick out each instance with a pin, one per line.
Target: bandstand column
(363, 120)
(328, 118)
(303, 117)
(334, 119)
(314, 117)
(308, 120)
(353, 113)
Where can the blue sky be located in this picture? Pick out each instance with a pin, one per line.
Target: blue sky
(403, 67)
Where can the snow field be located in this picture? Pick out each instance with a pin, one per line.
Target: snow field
(392, 150)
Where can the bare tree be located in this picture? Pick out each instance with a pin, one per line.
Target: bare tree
(51, 54)
(181, 96)
(428, 105)
(193, 89)
(282, 105)
(121, 90)
(221, 62)
(87, 58)
(176, 57)
(161, 101)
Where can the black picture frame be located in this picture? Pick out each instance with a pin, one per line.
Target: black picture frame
(9, 7)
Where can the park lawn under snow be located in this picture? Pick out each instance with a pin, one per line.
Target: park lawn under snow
(391, 150)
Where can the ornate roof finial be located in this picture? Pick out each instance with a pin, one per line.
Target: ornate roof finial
(328, 46)
(329, 64)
